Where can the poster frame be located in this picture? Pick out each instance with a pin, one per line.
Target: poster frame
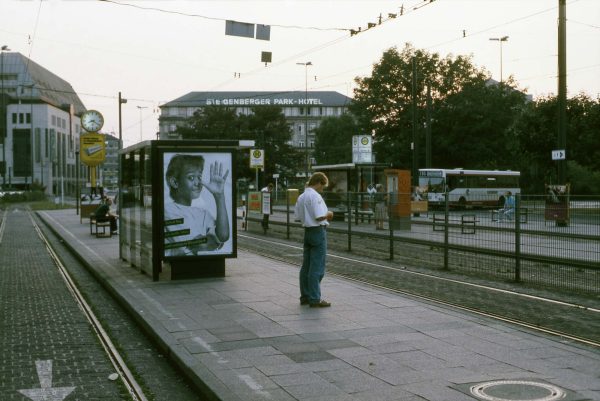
(229, 249)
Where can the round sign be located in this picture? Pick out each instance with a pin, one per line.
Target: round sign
(365, 140)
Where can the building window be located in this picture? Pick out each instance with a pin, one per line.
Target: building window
(54, 121)
(301, 144)
(14, 118)
(21, 118)
(28, 118)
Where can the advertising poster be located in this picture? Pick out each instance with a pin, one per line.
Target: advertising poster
(198, 201)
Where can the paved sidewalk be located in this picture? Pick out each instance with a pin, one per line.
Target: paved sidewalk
(245, 336)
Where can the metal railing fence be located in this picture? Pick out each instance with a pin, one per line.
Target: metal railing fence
(537, 243)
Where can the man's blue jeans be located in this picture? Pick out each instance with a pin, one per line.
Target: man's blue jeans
(313, 263)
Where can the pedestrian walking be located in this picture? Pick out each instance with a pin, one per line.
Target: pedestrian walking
(312, 212)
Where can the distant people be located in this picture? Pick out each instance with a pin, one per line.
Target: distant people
(190, 230)
(379, 207)
(371, 191)
(312, 212)
(265, 220)
(508, 211)
(103, 213)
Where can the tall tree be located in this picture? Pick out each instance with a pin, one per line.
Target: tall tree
(473, 128)
(383, 101)
(268, 127)
(333, 139)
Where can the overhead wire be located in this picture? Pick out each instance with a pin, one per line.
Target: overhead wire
(215, 18)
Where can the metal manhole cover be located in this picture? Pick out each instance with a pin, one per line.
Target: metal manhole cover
(517, 390)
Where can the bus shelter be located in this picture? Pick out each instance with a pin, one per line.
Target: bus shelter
(350, 178)
(177, 206)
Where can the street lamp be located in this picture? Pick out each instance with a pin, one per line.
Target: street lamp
(306, 64)
(140, 109)
(3, 132)
(502, 39)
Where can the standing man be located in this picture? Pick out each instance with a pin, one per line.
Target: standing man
(312, 212)
(265, 220)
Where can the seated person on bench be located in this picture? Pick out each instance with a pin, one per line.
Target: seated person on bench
(103, 213)
(508, 211)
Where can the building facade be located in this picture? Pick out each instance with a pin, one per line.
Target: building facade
(40, 128)
(303, 111)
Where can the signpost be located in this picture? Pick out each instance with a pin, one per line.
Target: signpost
(92, 152)
(257, 161)
(559, 154)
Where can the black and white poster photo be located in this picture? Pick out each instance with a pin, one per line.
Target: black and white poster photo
(198, 201)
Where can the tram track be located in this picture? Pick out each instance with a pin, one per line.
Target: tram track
(571, 321)
(127, 378)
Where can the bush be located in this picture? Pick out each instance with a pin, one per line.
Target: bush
(583, 180)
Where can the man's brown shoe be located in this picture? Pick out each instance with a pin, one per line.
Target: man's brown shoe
(321, 304)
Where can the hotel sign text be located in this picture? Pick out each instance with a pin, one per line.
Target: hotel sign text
(262, 102)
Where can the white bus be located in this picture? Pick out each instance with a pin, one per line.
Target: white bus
(468, 188)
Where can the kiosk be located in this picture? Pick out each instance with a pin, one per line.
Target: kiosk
(399, 190)
(177, 206)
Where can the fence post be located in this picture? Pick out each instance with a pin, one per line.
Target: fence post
(518, 237)
(287, 214)
(391, 227)
(446, 221)
(349, 209)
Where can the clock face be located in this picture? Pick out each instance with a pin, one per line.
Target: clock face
(92, 121)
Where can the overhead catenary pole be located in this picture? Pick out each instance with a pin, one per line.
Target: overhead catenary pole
(562, 88)
(414, 147)
(306, 64)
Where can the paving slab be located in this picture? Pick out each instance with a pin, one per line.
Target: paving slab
(246, 337)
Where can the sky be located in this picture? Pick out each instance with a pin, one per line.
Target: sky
(156, 51)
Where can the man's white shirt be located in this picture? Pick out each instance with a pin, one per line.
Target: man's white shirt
(309, 207)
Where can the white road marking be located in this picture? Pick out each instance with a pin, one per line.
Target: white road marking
(46, 392)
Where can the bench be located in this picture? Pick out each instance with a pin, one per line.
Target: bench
(86, 209)
(467, 222)
(523, 214)
(363, 214)
(104, 225)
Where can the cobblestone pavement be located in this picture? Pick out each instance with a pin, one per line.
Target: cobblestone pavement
(46, 343)
(159, 379)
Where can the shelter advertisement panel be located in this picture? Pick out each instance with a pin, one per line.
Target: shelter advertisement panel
(198, 211)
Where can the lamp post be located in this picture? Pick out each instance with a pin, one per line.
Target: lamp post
(3, 133)
(502, 39)
(140, 109)
(119, 193)
(306, 64)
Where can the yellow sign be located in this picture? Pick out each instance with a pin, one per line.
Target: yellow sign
(92, 149)
(257, 158)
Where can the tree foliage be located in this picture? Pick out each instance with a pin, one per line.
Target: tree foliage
(383, 101)
(266, 125)
(333, 142)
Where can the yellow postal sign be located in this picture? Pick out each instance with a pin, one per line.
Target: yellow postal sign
(92, 149)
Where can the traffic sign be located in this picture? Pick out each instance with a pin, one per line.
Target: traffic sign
(257, 158)
(559, 154)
